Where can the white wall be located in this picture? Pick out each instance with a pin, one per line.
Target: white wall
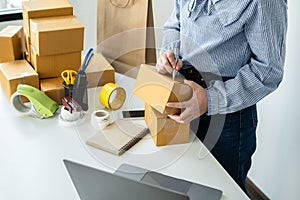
(276, 162)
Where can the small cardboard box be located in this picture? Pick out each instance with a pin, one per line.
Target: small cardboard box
(17, 72)
(99, 72)
(165, 131)
(11, 47)
(126, 69)
(157, 89)
(53, 88)
(56, 35)
(52, 66)
(44, 8)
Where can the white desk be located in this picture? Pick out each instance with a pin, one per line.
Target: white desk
(32, 150)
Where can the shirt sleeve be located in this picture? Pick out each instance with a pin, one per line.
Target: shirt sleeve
(171, 32)
(266, 35)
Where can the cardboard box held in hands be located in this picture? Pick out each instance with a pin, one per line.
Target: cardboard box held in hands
(157, 89)
(165, 131)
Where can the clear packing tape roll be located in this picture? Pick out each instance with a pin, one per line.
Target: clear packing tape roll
(100, 119)
(112, 96)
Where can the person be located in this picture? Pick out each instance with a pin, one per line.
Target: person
(232, 54)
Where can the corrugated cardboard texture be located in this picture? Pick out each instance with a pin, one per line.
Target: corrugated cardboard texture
(53, 88)
(52, 66)
(44, 8)
(165, 131)
(157, 89)
(11, 39)
(56, 35)
(99, 72)
(17, 72)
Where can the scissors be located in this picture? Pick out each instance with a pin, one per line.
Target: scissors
(69, 76)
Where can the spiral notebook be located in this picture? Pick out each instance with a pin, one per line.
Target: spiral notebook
(118, 137)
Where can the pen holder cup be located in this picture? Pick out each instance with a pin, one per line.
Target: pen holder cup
(79, 91)
(68, 89)
(80, 96)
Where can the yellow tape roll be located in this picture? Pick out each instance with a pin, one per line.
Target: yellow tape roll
(112, 96)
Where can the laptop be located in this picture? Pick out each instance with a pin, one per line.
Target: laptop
(94, 184)
(130, 182)
(193, 190)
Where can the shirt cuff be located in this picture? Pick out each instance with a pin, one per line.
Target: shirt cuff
(212, 100)
(216, 97)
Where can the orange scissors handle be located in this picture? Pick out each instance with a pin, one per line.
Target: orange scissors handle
(69, 76)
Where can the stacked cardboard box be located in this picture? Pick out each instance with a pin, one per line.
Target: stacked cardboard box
(11, 46)
(14, 73)
(54, 36)
(156, 90)
(54, 41)
(40, 9)
(13, 69)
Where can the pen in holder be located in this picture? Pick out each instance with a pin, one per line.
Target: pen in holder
(80, 84)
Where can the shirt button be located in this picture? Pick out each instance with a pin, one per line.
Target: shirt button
(190, 71)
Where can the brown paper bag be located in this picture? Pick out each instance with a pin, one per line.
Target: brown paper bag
(122, 34)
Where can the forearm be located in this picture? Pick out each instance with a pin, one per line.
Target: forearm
(266, 36)
(243, 91)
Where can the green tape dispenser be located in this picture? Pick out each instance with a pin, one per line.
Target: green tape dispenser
(40, 105)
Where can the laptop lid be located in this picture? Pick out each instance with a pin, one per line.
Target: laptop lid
(193, 190)
(94, 184)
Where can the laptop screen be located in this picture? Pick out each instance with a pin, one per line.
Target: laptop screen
(94, 184)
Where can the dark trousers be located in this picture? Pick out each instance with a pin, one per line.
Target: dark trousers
(231, 138)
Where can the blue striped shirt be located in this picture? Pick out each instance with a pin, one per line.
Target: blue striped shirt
(244, 39)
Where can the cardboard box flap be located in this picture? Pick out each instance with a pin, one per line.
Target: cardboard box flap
(157, 89)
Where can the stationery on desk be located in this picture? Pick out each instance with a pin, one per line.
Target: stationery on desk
(118, 137)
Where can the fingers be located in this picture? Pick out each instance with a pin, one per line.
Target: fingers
(185, 117)
(177, 104)
(167, 62)
(179, 65)
(176, 118)
(171, 58)
(163, 66)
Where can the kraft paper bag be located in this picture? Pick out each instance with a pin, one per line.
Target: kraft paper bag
(123, 36)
